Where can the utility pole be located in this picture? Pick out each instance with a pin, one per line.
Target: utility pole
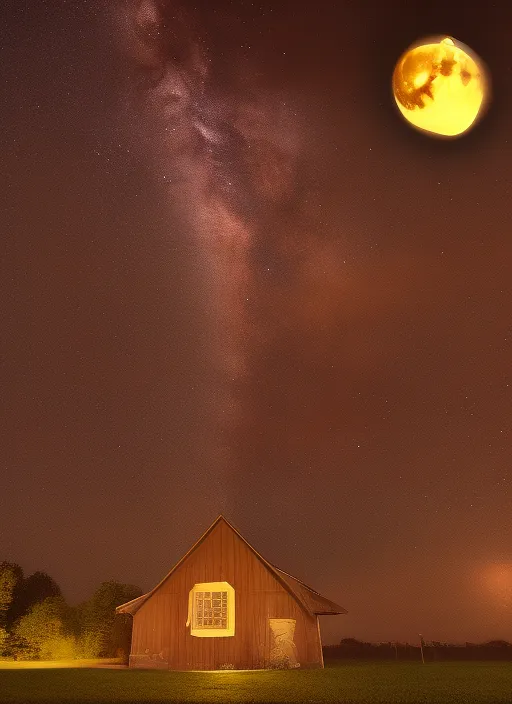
(422, 643)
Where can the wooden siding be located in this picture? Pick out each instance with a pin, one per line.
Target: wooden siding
(162, 640)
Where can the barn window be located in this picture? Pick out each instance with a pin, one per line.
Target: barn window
(211, 610)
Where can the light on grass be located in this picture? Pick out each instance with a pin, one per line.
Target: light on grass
(359, 683)
(59, 664)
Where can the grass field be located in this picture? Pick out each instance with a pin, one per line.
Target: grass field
(361, 683)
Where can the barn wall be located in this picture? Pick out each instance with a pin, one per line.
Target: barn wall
(161, 638)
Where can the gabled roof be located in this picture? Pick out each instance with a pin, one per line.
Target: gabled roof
(310, 600)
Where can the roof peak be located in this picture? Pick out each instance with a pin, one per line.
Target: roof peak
(290, 583)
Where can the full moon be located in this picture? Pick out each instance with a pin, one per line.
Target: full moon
(441, 87)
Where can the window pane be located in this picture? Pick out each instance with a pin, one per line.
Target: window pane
(211, 610)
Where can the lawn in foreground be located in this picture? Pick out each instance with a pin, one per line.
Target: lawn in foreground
(357, 683)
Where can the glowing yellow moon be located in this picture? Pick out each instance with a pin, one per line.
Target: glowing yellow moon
(441, 87)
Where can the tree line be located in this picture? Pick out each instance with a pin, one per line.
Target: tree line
(36, 622)
(353, 649)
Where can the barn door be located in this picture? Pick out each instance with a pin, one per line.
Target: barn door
(283, 651)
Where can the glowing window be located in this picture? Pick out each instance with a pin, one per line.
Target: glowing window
(211, 610)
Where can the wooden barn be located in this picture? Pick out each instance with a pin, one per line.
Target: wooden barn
(223, 606)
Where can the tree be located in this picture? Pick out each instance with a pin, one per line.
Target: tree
(102, 632)
(4, 638)
(11, 578)
(352, 642)
(33, 590)
(43, 633)
(497, 644)
(89, 644)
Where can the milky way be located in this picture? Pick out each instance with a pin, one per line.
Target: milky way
(227, 155)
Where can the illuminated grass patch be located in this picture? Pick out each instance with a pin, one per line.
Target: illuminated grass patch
(357, 683)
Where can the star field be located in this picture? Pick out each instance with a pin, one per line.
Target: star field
(236, 280)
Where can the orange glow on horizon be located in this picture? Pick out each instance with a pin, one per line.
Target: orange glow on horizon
(497, 579)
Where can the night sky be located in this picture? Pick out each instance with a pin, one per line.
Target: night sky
(235, 280)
